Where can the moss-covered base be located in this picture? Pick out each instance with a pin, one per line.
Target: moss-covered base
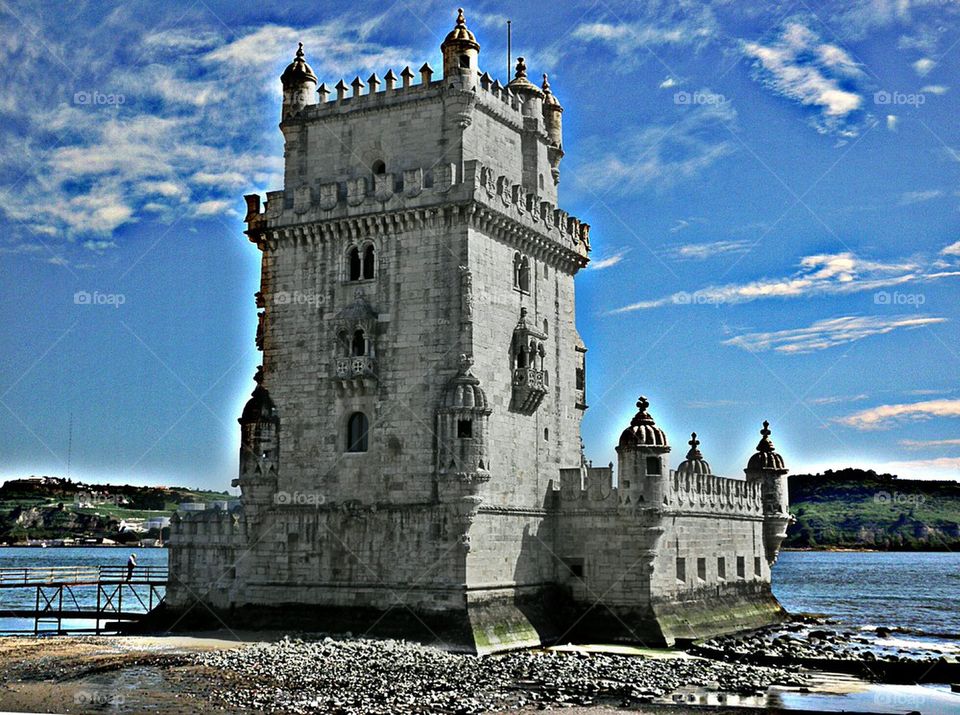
(712, 614)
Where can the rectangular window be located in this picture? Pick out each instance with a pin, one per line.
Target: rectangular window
(653, 465)
(464, 429)
(721, 567)
(702, 569)
(575, 567)
(682, 570)
(741, 567)
(756, 567)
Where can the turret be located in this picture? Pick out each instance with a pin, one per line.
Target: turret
(460, 54)
(553, 123)
(530, 93)
(259, 450)
(462, 434)
(642, 457)
(694, 464)
(767, 467)
(299, 84)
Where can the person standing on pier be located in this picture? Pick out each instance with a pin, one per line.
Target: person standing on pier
(131, 565)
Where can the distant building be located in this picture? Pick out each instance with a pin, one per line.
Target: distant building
(412, 445)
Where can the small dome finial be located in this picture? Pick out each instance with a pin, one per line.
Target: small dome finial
(521, 68)
(461, 21)
(300, 50)
(642, 403)
(694, 442)
(546, 84)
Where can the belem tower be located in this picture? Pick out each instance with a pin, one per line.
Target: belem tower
(410, 459)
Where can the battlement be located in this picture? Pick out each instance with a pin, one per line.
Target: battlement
(344, 98)
(445, 183)
(713, 493)
(593, 488)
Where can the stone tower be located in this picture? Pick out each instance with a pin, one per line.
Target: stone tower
(411, 456)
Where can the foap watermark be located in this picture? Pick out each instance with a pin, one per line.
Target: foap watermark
(696, 298)
(299, 499)
(899, 499)
(899, 700)
(97, 698)
(96, 98)
(884, 297)
(902, 99)
(85, 297)
(91, 499)
(297, 297)
(699, 98)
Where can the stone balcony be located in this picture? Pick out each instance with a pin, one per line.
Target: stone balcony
(356, 372)
(529, 388)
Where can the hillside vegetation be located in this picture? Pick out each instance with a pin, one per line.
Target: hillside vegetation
(56, 508)
(854, 508)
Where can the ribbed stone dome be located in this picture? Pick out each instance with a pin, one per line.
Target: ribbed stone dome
(298, 71)
(549, 98)
(766, 456)
(521, 84)
(643, 431)
(460, 35)
(694, 464)
(464, 391)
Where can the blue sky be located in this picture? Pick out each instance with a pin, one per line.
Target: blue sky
(773, 193)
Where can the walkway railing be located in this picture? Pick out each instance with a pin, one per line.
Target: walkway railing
(92, 593)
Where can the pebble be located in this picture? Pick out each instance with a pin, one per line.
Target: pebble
(384, 676)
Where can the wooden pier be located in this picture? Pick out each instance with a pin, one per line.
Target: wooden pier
(102, 594)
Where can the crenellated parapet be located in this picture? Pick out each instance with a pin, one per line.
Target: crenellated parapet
(712, 494)
(415, 198)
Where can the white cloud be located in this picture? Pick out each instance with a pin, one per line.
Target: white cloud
(701, 251)
(211, 208)
(884, 416)
(929, 443)
(607, 262)
(892, 121)
(659, 156)
(952, 250)
(825, 334)
(916, 197)
(836, 399)
(668, 83)
(814, 73)
(822, 274)
(923, 66)
(934, 89)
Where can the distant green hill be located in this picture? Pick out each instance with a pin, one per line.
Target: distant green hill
(855, 508)
(57, 508)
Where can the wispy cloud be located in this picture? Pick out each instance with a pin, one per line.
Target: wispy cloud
(673, 24)
(916, 197)
(934, 89)
(801, 66)
(884, 416)
(608, 261)
(952, 250)
(660, 156)
(702, 251)
(929, 443)
(822, 274)
(836, 399)
(829, 333)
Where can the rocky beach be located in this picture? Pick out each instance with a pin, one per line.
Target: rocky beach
(312, 674)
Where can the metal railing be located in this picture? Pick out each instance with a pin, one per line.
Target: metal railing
(12, 576)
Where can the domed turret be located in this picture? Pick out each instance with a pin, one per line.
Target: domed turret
(462, 432)
(766, 456)
(553, 123)
(259, 408)
(694, 464)
(299, 83)
(643, 432)
(530, 93)
(460, 52)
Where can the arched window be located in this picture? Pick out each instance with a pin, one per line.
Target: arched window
(369, 261)
(355, 268)
(523, 275)
(357, 427)
(358, 347)
(379, 168)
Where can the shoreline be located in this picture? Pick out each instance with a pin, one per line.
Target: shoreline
(276, 672)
